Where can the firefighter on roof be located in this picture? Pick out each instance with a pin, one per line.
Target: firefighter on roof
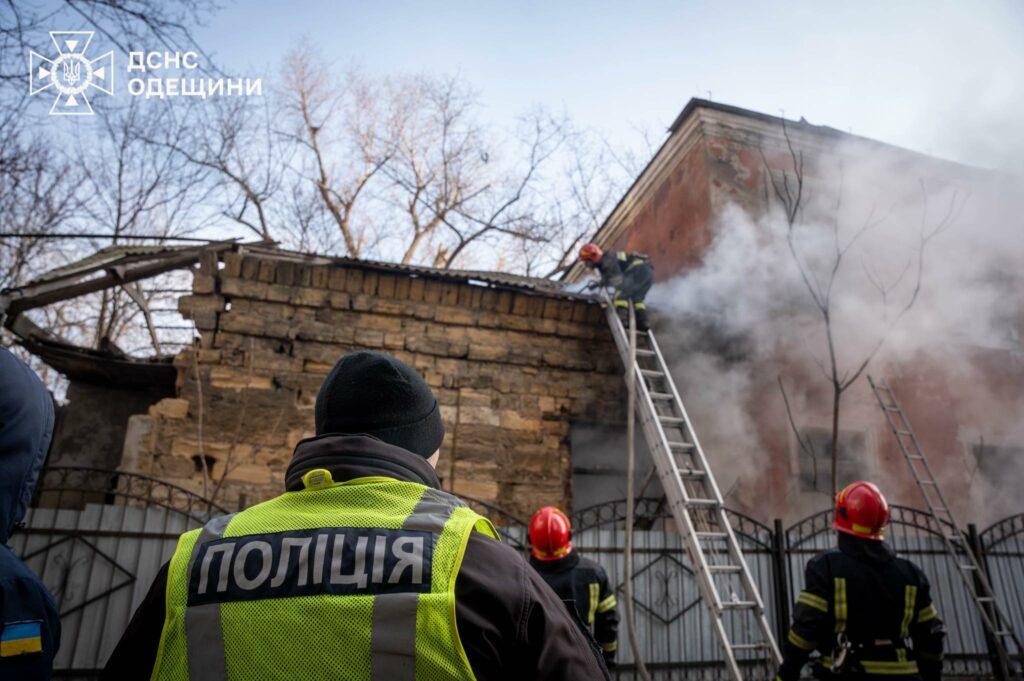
(631, 274)
(867, 611)
(581, 583)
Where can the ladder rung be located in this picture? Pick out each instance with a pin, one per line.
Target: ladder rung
(928, 482)
(891, 407)
(644, 353)
(702, 502)
(915, 456)
(651, 373)
(680, 445)
(725, 568)
(671, 419)
(968, 567)
(748, 646)
(711, 535)
(661, 396)
(691, 473)
(738, 605)
(905, 433)
(986, 599)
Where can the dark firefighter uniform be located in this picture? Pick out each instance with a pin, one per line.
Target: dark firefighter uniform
(585, 584)
(876, 602)
(630, 274)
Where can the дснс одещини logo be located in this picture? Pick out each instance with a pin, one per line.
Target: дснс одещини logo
(71, 73)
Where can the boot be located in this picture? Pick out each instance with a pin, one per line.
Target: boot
(623, 313)
(642, 322)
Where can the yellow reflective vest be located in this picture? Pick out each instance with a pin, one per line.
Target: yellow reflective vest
(351, 580)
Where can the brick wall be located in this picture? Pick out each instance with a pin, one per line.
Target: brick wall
(511, 369)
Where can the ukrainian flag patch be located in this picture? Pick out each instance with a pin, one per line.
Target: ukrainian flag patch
(21, 638)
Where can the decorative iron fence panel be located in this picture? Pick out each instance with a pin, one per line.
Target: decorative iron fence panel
(1002, 545)
(97, 539)
(674, 632)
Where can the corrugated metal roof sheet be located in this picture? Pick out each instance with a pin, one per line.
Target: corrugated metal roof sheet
(108, 255)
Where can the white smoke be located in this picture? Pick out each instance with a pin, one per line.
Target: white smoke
(745, 317)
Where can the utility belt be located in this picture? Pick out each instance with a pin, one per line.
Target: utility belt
(875, 657)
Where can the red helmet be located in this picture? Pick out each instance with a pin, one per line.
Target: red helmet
(591, 253)
(862, 511)
(549, 534)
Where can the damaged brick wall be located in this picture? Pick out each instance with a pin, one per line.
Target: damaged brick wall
(511, 369)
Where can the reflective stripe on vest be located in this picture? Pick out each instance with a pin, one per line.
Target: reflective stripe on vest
(839, 603)
(355, 581)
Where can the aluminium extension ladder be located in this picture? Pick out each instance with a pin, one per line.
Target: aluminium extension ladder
(726, 585)
(997, 624)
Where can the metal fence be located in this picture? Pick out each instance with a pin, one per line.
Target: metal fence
(97, 539)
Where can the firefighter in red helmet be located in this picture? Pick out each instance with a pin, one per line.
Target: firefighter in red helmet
(580, 582)
(868, 611)
(631, 274)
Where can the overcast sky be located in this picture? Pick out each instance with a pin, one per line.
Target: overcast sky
(943, 78)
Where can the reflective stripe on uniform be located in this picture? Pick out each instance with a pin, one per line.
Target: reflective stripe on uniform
(884, 668)
(927, 613)
(393, 638)
(888, 668)
(810, 600)
(840, 604)
(909, 601)
(595, 593)
(607, 604)
(610, 647)
(204, 635)
(393, 628)
(799, 641)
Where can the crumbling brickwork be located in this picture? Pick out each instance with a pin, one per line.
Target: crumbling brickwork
(511, 368)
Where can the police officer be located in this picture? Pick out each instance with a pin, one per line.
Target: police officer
(862, 604)
(631, 274)
(581, 583)
(363, 569)
(29, 623)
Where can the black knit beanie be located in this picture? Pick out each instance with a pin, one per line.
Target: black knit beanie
(375, 394)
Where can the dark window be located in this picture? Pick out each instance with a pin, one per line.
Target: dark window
(816, 459)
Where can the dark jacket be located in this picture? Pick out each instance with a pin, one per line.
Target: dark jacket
(878, 601)
(631, 274)
(511, 624)
(583, 585)
(30, 624)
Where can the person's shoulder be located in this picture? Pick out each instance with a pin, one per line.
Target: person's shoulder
(911, 568)
(21, 591)
(495, 555)
(824, 558)
(590, 566)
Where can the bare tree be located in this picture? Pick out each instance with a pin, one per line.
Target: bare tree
(821, 274)
(343, 132)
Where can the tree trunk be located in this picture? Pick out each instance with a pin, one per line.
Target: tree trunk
(837, 396)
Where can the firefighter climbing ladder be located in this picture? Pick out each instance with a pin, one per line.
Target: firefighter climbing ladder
(978, 587)
(726, 585)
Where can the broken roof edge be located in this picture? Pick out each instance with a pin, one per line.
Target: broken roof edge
(516, 282)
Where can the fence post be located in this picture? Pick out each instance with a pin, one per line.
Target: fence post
(780, 566)
(974, 543)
